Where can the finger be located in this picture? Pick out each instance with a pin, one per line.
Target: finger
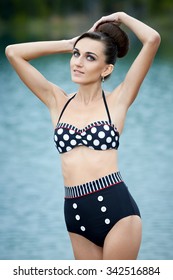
(92, 29)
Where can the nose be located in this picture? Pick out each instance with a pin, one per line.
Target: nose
(79, 61)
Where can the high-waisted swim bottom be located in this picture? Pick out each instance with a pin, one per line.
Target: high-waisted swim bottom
(92, 209)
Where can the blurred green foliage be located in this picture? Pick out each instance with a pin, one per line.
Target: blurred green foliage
(22, 20)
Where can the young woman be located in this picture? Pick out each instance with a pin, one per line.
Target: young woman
(101, 216)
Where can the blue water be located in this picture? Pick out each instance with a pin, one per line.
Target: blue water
(31, 186)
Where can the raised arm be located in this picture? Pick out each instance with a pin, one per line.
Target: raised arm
(19, 56)
(150, 40)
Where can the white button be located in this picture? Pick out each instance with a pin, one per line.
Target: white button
(100, 198)
(77, 217)
(74, 205)
(82, 228)
(107, 221)
(103, 209)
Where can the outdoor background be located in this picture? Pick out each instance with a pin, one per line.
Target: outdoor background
(31, 186)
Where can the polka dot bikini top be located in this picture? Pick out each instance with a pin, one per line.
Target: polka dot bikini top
(99, 135)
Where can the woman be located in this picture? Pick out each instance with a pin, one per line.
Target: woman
(101, 216)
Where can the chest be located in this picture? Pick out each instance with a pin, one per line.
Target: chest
(81, 115)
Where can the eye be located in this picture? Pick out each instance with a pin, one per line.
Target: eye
(76, 54)
(90, 57)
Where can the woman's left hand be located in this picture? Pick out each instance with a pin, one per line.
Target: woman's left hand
(115, 18)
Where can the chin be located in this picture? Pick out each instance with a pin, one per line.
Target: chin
(78, 80)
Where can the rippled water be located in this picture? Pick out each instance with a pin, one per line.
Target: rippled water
(31, 185)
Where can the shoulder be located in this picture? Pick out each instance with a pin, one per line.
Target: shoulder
(60, 97)
(60, 93)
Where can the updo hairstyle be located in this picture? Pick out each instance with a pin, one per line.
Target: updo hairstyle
(114, 38)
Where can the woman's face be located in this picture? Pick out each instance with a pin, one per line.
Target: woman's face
(88, 61)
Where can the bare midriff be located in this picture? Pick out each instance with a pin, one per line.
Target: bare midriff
(83, 164)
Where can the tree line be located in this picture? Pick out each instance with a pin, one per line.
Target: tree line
(44, 8)
(49, 19)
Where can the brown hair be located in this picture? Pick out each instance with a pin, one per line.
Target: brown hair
(114, 38)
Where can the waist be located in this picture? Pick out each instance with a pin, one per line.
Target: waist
(85, 165)
(93, 186)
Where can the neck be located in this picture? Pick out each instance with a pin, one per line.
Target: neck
(88, 94)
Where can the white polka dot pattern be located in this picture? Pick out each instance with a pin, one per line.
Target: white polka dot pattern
(93, 129)
(60, 131)
(73, 142)
(96, 142)
(89, 137)
(68, 149)
(103, 147)
(100, 135)
(71, 131)
(106, 127)
(61, 143)
(66, 137)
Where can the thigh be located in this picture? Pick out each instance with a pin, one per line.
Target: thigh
(84, 249)
(124, 239)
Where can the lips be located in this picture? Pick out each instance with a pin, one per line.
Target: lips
(78, 71)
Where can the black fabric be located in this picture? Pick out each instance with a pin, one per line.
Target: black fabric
(94, 215)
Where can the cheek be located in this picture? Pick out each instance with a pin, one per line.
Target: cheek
(96, 70)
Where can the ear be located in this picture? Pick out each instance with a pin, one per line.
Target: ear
(107, 70)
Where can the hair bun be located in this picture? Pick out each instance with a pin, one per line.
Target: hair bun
(119, 37)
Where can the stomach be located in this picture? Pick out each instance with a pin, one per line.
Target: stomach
(83, 164)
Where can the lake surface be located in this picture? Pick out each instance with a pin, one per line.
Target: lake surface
(31, 185)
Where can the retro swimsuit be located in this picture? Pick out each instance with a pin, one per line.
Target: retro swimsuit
(93, 208)
(99, 135)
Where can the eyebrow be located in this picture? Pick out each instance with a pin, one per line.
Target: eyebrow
(75, 49)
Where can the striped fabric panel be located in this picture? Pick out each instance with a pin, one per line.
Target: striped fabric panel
(93, 186)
